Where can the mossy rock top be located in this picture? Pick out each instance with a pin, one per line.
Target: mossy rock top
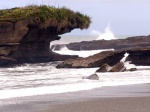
(47, 16)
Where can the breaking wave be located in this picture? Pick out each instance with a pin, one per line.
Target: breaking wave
(106, 35)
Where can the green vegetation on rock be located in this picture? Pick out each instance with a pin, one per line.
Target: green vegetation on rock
(46, 16)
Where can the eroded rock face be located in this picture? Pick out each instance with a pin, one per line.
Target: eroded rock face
(12, 32)
(97, 60)
(139, 56)
(25, 42)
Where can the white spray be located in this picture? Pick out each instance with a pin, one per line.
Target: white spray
(106, 35)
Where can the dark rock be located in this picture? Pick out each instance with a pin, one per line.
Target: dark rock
(119, 67)
(139, 56)
(97, 60)
(104, 68)
(92, 77)
(26, 42)
(130, 42)
(133, 69)
(6, 61)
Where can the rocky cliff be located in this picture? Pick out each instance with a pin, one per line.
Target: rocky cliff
(27, 39)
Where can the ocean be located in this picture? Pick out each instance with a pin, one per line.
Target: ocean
(44, 78)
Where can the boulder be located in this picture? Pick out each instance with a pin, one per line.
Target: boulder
(119, 67)
(104, 68)
(133, 69)
(97, 60)
(92, 77)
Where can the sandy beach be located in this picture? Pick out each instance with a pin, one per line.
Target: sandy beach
(123, 104)
(134, 98)
(131, 98)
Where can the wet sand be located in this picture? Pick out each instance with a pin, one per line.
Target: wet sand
(124, 104)
(131, 98)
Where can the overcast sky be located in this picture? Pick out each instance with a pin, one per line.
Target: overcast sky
(124, 17)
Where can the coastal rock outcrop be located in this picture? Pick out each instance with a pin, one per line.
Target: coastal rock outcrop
(137, 47)
(26, 33)
(23, 42)
(117, 44)
(139, 56)
(97, 60)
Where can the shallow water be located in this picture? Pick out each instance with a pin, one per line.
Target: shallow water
(44, 78)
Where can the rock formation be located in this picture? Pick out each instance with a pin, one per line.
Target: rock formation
(97, 60)
(139, 56)
(119, 67)
(27, 39)
(138, 49)
(26, 33)
(104, 68)
(92, 77)
(118, 44)
(22, 42)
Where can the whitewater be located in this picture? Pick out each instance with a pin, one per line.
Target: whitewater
(45, 78)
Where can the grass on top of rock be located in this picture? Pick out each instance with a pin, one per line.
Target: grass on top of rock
(47, 16)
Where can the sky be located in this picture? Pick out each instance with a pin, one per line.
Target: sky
(123, 17)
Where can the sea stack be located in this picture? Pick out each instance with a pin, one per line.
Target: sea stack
(26, 33)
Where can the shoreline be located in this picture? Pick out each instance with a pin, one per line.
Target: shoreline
(125, 98)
